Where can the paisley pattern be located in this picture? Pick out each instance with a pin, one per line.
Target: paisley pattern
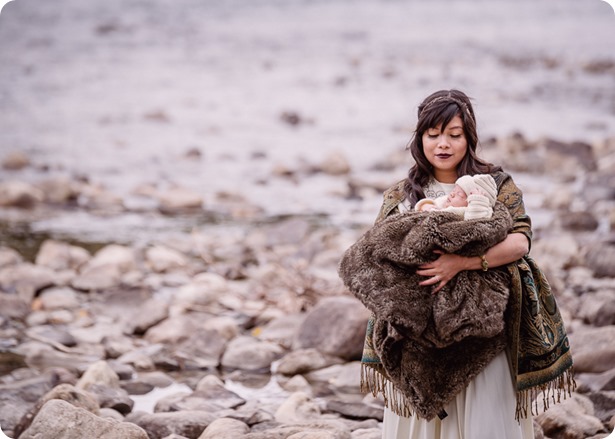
(540, 358)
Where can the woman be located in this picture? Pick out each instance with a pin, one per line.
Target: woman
(492, 405)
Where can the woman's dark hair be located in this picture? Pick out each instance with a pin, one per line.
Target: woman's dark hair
(440, 108)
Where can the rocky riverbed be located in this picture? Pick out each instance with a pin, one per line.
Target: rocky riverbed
(178, 184)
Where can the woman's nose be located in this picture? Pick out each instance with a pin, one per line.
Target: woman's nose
(443, 141)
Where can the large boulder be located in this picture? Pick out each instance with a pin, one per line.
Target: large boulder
(59, 255)
(248, 353)
(573, 418)
(593, 348)
(188, 423)
(225, 428)
(335, 326)
(59, 419)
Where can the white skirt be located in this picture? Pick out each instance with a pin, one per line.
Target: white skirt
(485, 409)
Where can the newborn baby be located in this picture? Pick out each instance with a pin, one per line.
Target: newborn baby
(473, 197)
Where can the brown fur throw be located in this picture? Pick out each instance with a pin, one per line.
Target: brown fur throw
(431, 346)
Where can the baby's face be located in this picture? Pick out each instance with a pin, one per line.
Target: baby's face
(456, 198)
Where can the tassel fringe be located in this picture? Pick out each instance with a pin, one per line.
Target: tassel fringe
(528, 400)
(374, 381)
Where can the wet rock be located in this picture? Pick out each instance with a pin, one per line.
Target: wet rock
(303, 361)
(187, 423)
(225, 428)
(65, 392)
(15, 160)
(179, 200)
(59, 298)
(600, 257)
(573, 418)
(61, 256)
(19, 194)
(152, 312)
(8, 256)
(593, 348)
(248, 353)
(335, 326)
(58, 418)
(162, 259)
(25, 279)
(297, 408)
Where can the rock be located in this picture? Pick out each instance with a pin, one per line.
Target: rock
(282, 329)
(19, 194)
(123, 257)
(596, 382)
(152, 312)
(562, 251)
(179, 200)
(600, 257)
(335, 326)
(204, 289)
(162, 259)
(604, 405)
(59, 419)
(579, 221)
(61, 256)
(368, 433)
(356, 410)
(335, 163)
(598, 309)
(225, 428)
(42, 356)
(297, 408)
(59, 298)
(202, 350)
(25, 279)
(13, 307)
(297, 384)
(111, 414)
(18, 397)
(60, 190)
(593, 349)
(100, 277)
(8, 256)
(172, 330)
(15, 160)
(346, 378)
(248, 353)
(99, 373)
(65, 392)
(97, 197)
(212, 388)
(303, 361)
(51, 334)
(573, 418)
(568, 158)
(321, 429)
(117, 345)
(189, 423)
(111, 397)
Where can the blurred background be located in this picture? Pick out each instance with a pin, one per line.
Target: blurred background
(253, 139)
(253, 98)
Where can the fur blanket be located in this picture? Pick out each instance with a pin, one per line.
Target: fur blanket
(431, 346)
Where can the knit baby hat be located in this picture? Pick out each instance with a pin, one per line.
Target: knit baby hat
(484, 182)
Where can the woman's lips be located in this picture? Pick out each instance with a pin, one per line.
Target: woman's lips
(443, 156)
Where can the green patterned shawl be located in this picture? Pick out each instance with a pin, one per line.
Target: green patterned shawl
(538, 351)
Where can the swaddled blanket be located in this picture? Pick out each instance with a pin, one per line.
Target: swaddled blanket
(431, 346)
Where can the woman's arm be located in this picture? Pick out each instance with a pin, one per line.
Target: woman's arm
(443, 269)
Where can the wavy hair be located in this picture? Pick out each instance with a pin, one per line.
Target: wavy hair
(440, 108)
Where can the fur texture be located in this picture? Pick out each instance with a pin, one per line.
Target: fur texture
(431, 346)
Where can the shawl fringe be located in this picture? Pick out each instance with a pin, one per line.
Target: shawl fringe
(374, 381)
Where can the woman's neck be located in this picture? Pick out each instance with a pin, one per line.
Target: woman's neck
(446, 176)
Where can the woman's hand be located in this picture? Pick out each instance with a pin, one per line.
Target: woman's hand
(441, 270)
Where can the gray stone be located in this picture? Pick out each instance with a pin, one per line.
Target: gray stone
(202, 350)
(322, 429)
(19, 194)
(99, 373)
(99, 277)
(248, 353)
(573, 418)
(297, 408)
(60, 189)
(59, 298)
(152, 312)
(59, 419)
(593, 348)
(336, 326)
(303, 361)
(13, 306)
(25, 279)
(225, 428)
(600, 259)
(162, 259)
(356, 410)
(212, 388)
(368, 433)
(579, 221)
(8, 256)
(282, 329)
(604, 405)
(187, 423)
(172, 330)
(15, 160)
(59, 255)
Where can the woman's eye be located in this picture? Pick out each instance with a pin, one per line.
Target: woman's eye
(432, 136)
(456, 136)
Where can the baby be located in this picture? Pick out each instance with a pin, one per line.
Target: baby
(473, 197)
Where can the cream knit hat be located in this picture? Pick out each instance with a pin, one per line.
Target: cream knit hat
(483, 182)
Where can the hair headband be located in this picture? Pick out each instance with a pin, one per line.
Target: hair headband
(462, 105)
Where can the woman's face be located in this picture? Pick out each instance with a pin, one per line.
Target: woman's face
(444, 148)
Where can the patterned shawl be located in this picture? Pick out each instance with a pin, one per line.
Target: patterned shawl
(538, 347)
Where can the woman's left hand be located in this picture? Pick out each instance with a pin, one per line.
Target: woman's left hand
(441, 270)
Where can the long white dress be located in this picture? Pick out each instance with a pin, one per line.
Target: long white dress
(485, 409)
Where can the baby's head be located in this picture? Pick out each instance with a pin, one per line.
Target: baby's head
(483, 184)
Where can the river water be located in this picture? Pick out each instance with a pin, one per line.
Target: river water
(117, 92)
